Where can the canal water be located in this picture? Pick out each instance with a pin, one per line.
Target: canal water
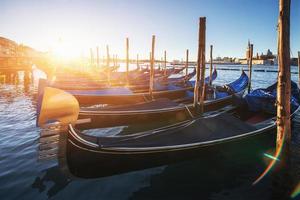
(221, 176)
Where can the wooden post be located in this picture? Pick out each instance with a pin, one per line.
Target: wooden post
(137, 62)
(211, 65)
(202, 56)
(149, 60)
(152, 68)
(108, 63)
(299, 67)
(127, 60)
(107, 56)
(165, 63)
(197, 82)
(92, 56)
(250, 66)
(113, 60)
(98, 57)
(187, 63)
(284, 78)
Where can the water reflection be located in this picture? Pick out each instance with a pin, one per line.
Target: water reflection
(53, 175)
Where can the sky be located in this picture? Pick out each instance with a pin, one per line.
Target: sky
(78, 25)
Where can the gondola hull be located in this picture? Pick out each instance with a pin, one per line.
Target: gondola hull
(130, 98)
(169, 115)
(84, 162)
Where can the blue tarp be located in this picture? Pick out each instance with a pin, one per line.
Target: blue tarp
(104, 92)
(264, 99)
(235, 86)
(206, 80)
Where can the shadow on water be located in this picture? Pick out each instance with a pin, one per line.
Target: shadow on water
(53, 175)
(226, 172)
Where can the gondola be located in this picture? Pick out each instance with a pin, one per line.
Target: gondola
(234, 127)
(138, 84)
(163, 109)
(125, 95)
(135, 77)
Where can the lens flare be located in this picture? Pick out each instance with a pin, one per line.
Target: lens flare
(296, 191)
(271, 157)
(274, 159)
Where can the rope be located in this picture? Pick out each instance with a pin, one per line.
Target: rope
(189, 112)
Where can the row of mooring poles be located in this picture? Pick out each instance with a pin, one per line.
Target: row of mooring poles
(92, 57)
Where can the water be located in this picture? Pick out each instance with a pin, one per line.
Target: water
(220, 176)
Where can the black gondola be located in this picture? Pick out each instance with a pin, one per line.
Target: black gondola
(181, 141)
(162, 109)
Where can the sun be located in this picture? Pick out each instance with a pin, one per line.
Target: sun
(65, 50)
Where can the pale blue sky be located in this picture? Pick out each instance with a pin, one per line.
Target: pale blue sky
(88, 23)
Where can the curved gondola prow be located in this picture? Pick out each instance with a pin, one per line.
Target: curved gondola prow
(213, 76)
(241, 83)
(57, 106)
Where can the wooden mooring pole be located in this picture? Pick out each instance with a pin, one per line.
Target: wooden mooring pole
(149, 60)
(284, 76)
(108, 63)
(202, 71)
(98, 64)
(187, 63)
(201, 39)
(250, 67)
(137, 62)
(92, 56)
(127, 60)
(107, 56)
(165, 62)
(299, 68)
(152, 68)
(211, 65)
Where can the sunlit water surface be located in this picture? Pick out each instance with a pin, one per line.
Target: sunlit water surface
(22, 176)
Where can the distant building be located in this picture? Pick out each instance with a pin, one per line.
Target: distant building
(10, 48)
(263, 59)
(7, 47)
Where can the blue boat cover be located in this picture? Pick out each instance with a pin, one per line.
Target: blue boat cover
(104, 92)
(206, 80)
(213, 77)
(233, 87)
(264, 99)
